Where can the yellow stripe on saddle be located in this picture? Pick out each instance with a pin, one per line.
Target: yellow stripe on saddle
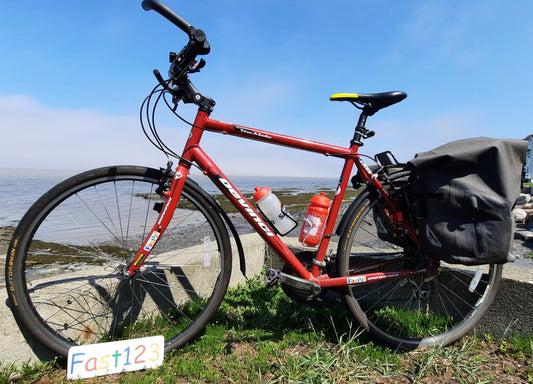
(344, 97)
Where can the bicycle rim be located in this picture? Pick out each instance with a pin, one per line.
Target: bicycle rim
(68, 285)
(428, 309)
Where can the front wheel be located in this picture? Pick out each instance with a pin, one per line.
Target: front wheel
(427, 309)
(65, 262)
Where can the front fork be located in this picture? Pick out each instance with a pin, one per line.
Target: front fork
(172, 196)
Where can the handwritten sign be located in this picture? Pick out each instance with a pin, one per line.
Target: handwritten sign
(92, 360)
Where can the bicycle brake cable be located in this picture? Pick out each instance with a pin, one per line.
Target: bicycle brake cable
(147, 114)
(178, 115)
(145, 110)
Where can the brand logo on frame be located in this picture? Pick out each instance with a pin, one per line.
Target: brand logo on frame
(356, 280)
(250, 132)
(153, 238)
(246, 207)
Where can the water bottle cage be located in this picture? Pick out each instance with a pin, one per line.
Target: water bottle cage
(284, 213)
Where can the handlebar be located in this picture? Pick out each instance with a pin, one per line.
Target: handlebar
(197, 40)
(169, 14)
(183, 62)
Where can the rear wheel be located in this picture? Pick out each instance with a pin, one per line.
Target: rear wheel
(427, 309)
(64, 274)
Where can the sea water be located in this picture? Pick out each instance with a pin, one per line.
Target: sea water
(20, 188)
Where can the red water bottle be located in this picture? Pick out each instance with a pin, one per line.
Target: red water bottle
(315, 219)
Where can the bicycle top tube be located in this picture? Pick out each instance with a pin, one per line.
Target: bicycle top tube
(278, 139)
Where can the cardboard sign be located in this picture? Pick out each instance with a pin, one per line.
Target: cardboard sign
(92, 360)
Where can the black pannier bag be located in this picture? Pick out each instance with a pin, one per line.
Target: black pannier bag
(463, 196)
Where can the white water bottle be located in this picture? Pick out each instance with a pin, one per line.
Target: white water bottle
(274, 211)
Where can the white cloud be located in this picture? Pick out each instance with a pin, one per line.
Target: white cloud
(36, 136)
(39, 137)
(249, 99)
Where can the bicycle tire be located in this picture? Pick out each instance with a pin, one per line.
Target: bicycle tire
(64, 263)
(424, 310)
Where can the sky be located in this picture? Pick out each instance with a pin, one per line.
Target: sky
(73, 75)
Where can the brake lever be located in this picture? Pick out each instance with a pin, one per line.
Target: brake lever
(161, 81)
(197, 66)
(175, 96)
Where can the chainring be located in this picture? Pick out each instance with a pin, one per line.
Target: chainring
(301, 295)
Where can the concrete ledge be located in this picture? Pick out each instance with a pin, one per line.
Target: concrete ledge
(512, 309)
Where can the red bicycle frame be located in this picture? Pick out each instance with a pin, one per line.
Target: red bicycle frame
(194, 153)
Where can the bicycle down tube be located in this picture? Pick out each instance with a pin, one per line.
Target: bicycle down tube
(194, 153)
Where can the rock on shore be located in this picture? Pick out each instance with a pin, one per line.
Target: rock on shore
(523, 217)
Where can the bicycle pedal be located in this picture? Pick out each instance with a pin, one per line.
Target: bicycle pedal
(272, 277)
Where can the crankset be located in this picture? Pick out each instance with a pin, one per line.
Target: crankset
(298, 289)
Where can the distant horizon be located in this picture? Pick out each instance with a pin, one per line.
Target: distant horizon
(4, 170)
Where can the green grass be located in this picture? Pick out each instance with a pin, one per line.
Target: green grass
(27, 372)
(412, 323)
(261, 336)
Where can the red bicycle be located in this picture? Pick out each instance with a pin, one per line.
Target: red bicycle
(127, 251)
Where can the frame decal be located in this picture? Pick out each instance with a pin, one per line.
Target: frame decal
(247, 207)
(247, 131)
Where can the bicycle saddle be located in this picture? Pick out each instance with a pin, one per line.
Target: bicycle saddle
(372, 101)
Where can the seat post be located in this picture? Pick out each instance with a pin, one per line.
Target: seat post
(360, 129)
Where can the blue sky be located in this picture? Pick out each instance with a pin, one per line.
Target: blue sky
(73, 75)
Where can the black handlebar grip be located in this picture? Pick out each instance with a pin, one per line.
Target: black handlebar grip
(170, 15)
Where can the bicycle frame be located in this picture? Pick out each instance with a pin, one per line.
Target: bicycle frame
(194, 153)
